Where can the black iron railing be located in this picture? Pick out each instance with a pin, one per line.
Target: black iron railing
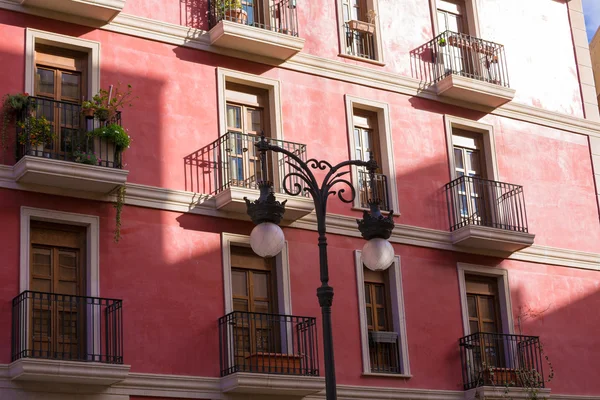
(277, 16)
(380, 186)
(233, 161)
(501, 360)
(70, 131)
(360, 43)
(452, 53)
(64, 327)
(383, 352)
(477, 201)
(268, 343)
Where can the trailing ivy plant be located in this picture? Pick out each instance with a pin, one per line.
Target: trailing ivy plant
(120, 200)
(12, 105)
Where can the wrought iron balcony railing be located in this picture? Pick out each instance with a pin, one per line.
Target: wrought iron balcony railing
(268, 343)
(64, 327)
(69, 129)
(452, 53)
(477, 201)
(233, 161)
(277, 16)
(501, 360)
(360, 43)
(383, 352)
(380, 185)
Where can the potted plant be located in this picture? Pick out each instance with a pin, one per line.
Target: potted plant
(114, 139)
(88, 109)
(36, 132)
(86, 157)
(364, 26)
(442, 42)
(231, 10)
(107, 103)
(12, 106)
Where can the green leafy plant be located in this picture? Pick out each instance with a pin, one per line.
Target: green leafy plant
(229, 4)
(107, 103)
(35, 131)
(442, 42)
(115, 134)
(86, 157)
(12, 105)
(120, 201)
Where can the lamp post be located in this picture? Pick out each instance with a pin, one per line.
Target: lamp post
(267, 238)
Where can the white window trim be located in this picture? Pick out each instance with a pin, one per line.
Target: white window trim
(398, 316)
(508, 325)
(472, 17)
(379, 60)
(487, 134)
(92, 48)
(273, 87)
(385, 142)
(284, 299)
(91, 222)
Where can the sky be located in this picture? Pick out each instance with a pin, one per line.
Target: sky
(591, 11)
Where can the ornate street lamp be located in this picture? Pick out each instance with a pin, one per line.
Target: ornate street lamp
(267, 238)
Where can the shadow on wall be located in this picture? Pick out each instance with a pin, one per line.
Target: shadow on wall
(194, 14)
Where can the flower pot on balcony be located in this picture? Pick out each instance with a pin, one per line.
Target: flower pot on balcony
(274, 362)
(101, 114)
(236, 15)
(361, 26)
(88, 113)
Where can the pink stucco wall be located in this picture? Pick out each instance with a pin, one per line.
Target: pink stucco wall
(174, 116)
(167, 269)
(537, 59)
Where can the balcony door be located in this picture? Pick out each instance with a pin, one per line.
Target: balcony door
(57, 271)
(366, 142)
(254, 289)
(60, 77)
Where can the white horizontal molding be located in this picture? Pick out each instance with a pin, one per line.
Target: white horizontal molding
(58, 371)
(272, 384)
(302, 62)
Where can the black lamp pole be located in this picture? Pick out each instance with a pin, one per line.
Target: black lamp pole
(268, 209)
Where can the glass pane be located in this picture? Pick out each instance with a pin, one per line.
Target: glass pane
(261, 307)
(240, 305)
(489, 327)
(359, 154)
(369, 316)
(474, 327)
(71, 85)
(42, 262)
(475, 168)
(239, 283)
(261, 285)
(234, 117)
(471, 301)
(367, 141)
(255, 123)
(367, 293)
(379, 295)
(357, 141)
(381, 318)
(487, 308)
(458, 160)
(45, 80)
(41, 285)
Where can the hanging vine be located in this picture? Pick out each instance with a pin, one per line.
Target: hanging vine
(120, 201)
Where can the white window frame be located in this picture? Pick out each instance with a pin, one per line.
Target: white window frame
(372, 5)
(272, 86)
(282, 265)
(385, 142)
(92, 262)
(34, 36)
(398, 316)
(487, 134)
(472, 17)
(501, 275)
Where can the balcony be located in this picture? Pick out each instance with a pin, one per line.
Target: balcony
(502, 360)
(487, 214)
(261, 27)
(252, 345)
(70, 339)
(465, 68)
(360, 39)
(102, 10)
(383, 353)
(229, 169)
(380, 187)
(72, 160)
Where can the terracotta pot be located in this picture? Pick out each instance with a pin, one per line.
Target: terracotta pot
(274, 362)
(101, 114)
(361, 26)
(236, 15)
(88, 113)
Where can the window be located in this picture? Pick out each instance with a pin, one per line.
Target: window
(460, 16)
(359, 29)
(383, 330)
(57, 267)
(369, 133)
(253, 282)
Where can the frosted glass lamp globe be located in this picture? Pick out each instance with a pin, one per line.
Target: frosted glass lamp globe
(267, 239)
(377, 254)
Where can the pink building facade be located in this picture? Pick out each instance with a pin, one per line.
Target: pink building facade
(487, 137)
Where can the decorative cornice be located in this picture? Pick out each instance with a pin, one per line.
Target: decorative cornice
(288, 385)
(302, 62)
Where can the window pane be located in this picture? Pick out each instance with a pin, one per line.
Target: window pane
(255, 123)
(380, 295)
(42, 262)
(381, 318)
(487, 308)
(474, 327)
(240, 305)
(234, 117)
(71, 86)
(261, 285)
(357, 137)
(368, 140)
(41, 285)
(239, 283)
(367, 293)
(475, 168)
(369, 316)
(471, 301)
(45, 81)
(458, 160)
(261, 307)
(489, 327)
